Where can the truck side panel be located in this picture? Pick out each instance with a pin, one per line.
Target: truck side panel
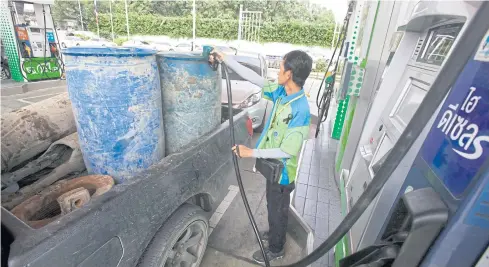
(132, 212)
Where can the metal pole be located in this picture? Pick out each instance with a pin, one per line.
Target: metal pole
(252, 28)
(334, 34)
(127, 19)
(193, 25)
(81, 16)
(255, 27)
(16, 13)
(96, 17)
(111, 21)
(259, 25)
(245, 25)
(240, 21)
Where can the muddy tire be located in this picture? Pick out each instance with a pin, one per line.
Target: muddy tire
(181, 239)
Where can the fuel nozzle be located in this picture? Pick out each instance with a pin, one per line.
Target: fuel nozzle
(206, 52)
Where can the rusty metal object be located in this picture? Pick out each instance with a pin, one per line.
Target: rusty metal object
(67, 162)
(29, 131)
(44, 208)
(73, 200)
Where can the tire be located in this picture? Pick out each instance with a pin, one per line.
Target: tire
(5, 72)
(188, 223)
(260, 128)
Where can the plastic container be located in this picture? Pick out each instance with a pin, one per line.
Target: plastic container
(116, 100)
(191, 98)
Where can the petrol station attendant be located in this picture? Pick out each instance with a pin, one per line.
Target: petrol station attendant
(282, 138)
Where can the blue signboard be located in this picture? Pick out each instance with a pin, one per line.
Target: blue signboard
(50, 37)
(458, 142)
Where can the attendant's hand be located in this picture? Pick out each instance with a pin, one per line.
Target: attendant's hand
(244, 152)
(216, 55)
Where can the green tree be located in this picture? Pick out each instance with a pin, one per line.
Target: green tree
(291, 20)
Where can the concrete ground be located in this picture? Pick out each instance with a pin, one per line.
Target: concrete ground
(16, 95)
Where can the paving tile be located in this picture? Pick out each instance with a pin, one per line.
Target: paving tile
(304, 168)
(309, 144)
(322, 210)
(322, 228)
(305, 161)
(323, 195)
(312, 192)
(301, 190)
(334, 222)
(307, 154)
(334, 210)
(315, 163)
(333, 143)
(310, 220)
(310, 207)
(324, 170)
(323, 181)
(331, 259)
(314, 171)
(334, 193)
(303, 177)
(299, 204)
(313, 180)
(331, 176)
(331, 154)
(334, 201)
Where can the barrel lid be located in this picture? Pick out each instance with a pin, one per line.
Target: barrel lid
(108, 51)
(197, 56)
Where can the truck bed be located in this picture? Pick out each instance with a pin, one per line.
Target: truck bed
(115, 228)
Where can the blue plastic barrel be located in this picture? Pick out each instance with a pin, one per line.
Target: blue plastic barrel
(191, 98)
(116, 100)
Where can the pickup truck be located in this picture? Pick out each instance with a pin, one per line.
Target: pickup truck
(159, 218)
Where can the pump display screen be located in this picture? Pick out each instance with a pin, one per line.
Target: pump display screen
(458, 143)
(438, 44)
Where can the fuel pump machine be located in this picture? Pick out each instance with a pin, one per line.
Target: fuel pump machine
(440, 215)
(35, 40)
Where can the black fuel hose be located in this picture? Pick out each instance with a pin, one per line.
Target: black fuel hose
(236, 166)
(341, 37)
(462, 52)
(59, 56)
(45, 44)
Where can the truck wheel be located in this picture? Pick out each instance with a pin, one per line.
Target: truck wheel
(260, 128)
(181, 241)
